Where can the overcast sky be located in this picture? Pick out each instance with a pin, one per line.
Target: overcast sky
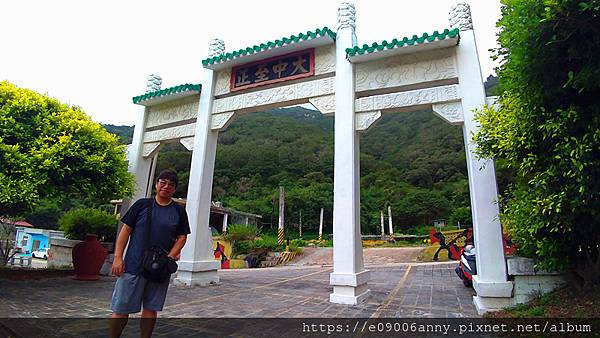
(98, 54)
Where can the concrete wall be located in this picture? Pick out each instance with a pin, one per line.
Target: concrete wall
(60, 254)
(528, 282)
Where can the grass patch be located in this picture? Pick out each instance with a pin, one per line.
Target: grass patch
(562, 303)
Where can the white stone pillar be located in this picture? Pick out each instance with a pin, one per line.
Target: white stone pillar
(490, 283)
(349, 278)
(390, 220)
(225, 219)
(153, 161)
(197, 265)
(139, 165)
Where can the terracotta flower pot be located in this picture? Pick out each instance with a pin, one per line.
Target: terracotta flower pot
(88, 257)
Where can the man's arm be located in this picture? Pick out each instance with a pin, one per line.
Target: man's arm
(118, 266)
(176, 250)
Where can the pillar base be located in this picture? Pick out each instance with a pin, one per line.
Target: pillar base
(349, 288)
(199, 273)
(501, 289)
(490, 304)
(349, 295)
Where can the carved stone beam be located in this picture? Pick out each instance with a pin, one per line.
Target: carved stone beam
(172, 133)
(409, 98)
(222, 120)
(324, 104)
(150, 149)
(365, 120)
(452, 112)
(187, 142)
(279, 95)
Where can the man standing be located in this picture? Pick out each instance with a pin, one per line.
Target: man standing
(168, 228)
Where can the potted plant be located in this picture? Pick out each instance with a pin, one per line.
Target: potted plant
(90, 226)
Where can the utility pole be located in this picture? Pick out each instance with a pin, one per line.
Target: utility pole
(321, 226)
(382, 225)
(390, 220)
(280, 231)
(300, 225)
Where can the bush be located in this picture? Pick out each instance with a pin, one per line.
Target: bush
(77, 223)
(462, 215)
(297, 242)
(265, 242)
(241, 232)
(545, 128)
(268, 243)
(419, 230)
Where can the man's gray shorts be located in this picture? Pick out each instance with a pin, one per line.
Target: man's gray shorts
(132, 291)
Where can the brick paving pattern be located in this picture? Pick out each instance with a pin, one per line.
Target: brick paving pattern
(397, 291)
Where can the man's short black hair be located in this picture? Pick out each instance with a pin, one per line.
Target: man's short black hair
(168, 175)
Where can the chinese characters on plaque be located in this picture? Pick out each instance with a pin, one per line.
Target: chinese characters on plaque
(281, 68)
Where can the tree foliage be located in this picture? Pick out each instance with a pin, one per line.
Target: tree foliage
(547, 130)
(8, 232)
(77, 223)
(51, 150)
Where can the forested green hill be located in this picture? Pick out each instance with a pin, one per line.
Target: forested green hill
(414, 162)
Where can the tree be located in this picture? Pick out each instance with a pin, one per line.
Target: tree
(45, 215)
(547, 130)
(7, 237)
(52, 150)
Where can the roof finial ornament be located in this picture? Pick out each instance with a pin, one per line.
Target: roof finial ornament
(216, 47)
(346, 15)
(153, 84)
(460, 17)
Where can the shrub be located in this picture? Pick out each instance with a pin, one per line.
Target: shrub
(241, 232)
(545, 128)
(265, 242)
(297, 242)
(461, 215)
(77, 223)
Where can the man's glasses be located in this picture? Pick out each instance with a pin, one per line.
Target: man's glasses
(163, 183)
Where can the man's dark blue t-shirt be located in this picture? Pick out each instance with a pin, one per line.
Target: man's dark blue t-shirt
(168, 222)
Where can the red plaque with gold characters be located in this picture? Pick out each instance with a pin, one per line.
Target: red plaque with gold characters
(277, 69)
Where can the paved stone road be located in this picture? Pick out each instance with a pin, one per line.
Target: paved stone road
(398, 291)
(371, 256)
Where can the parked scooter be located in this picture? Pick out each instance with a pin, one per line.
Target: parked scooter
(467, 267)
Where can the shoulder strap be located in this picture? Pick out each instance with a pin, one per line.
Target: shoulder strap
(149, 207)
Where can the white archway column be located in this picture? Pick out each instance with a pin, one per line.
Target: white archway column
(349, 278)
(490, 283)
(197, 265)
(139, 165)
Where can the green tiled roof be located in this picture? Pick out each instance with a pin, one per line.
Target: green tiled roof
(167, 91)
(396, 43)
(271, 44)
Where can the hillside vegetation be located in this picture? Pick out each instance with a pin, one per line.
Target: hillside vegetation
(414, 162)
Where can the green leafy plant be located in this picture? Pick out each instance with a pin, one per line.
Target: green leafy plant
(52, 150)
(77, 223)
(240, 235)
(546, 129)
(241, 232)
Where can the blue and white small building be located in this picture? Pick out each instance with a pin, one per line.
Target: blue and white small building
(32, 239)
